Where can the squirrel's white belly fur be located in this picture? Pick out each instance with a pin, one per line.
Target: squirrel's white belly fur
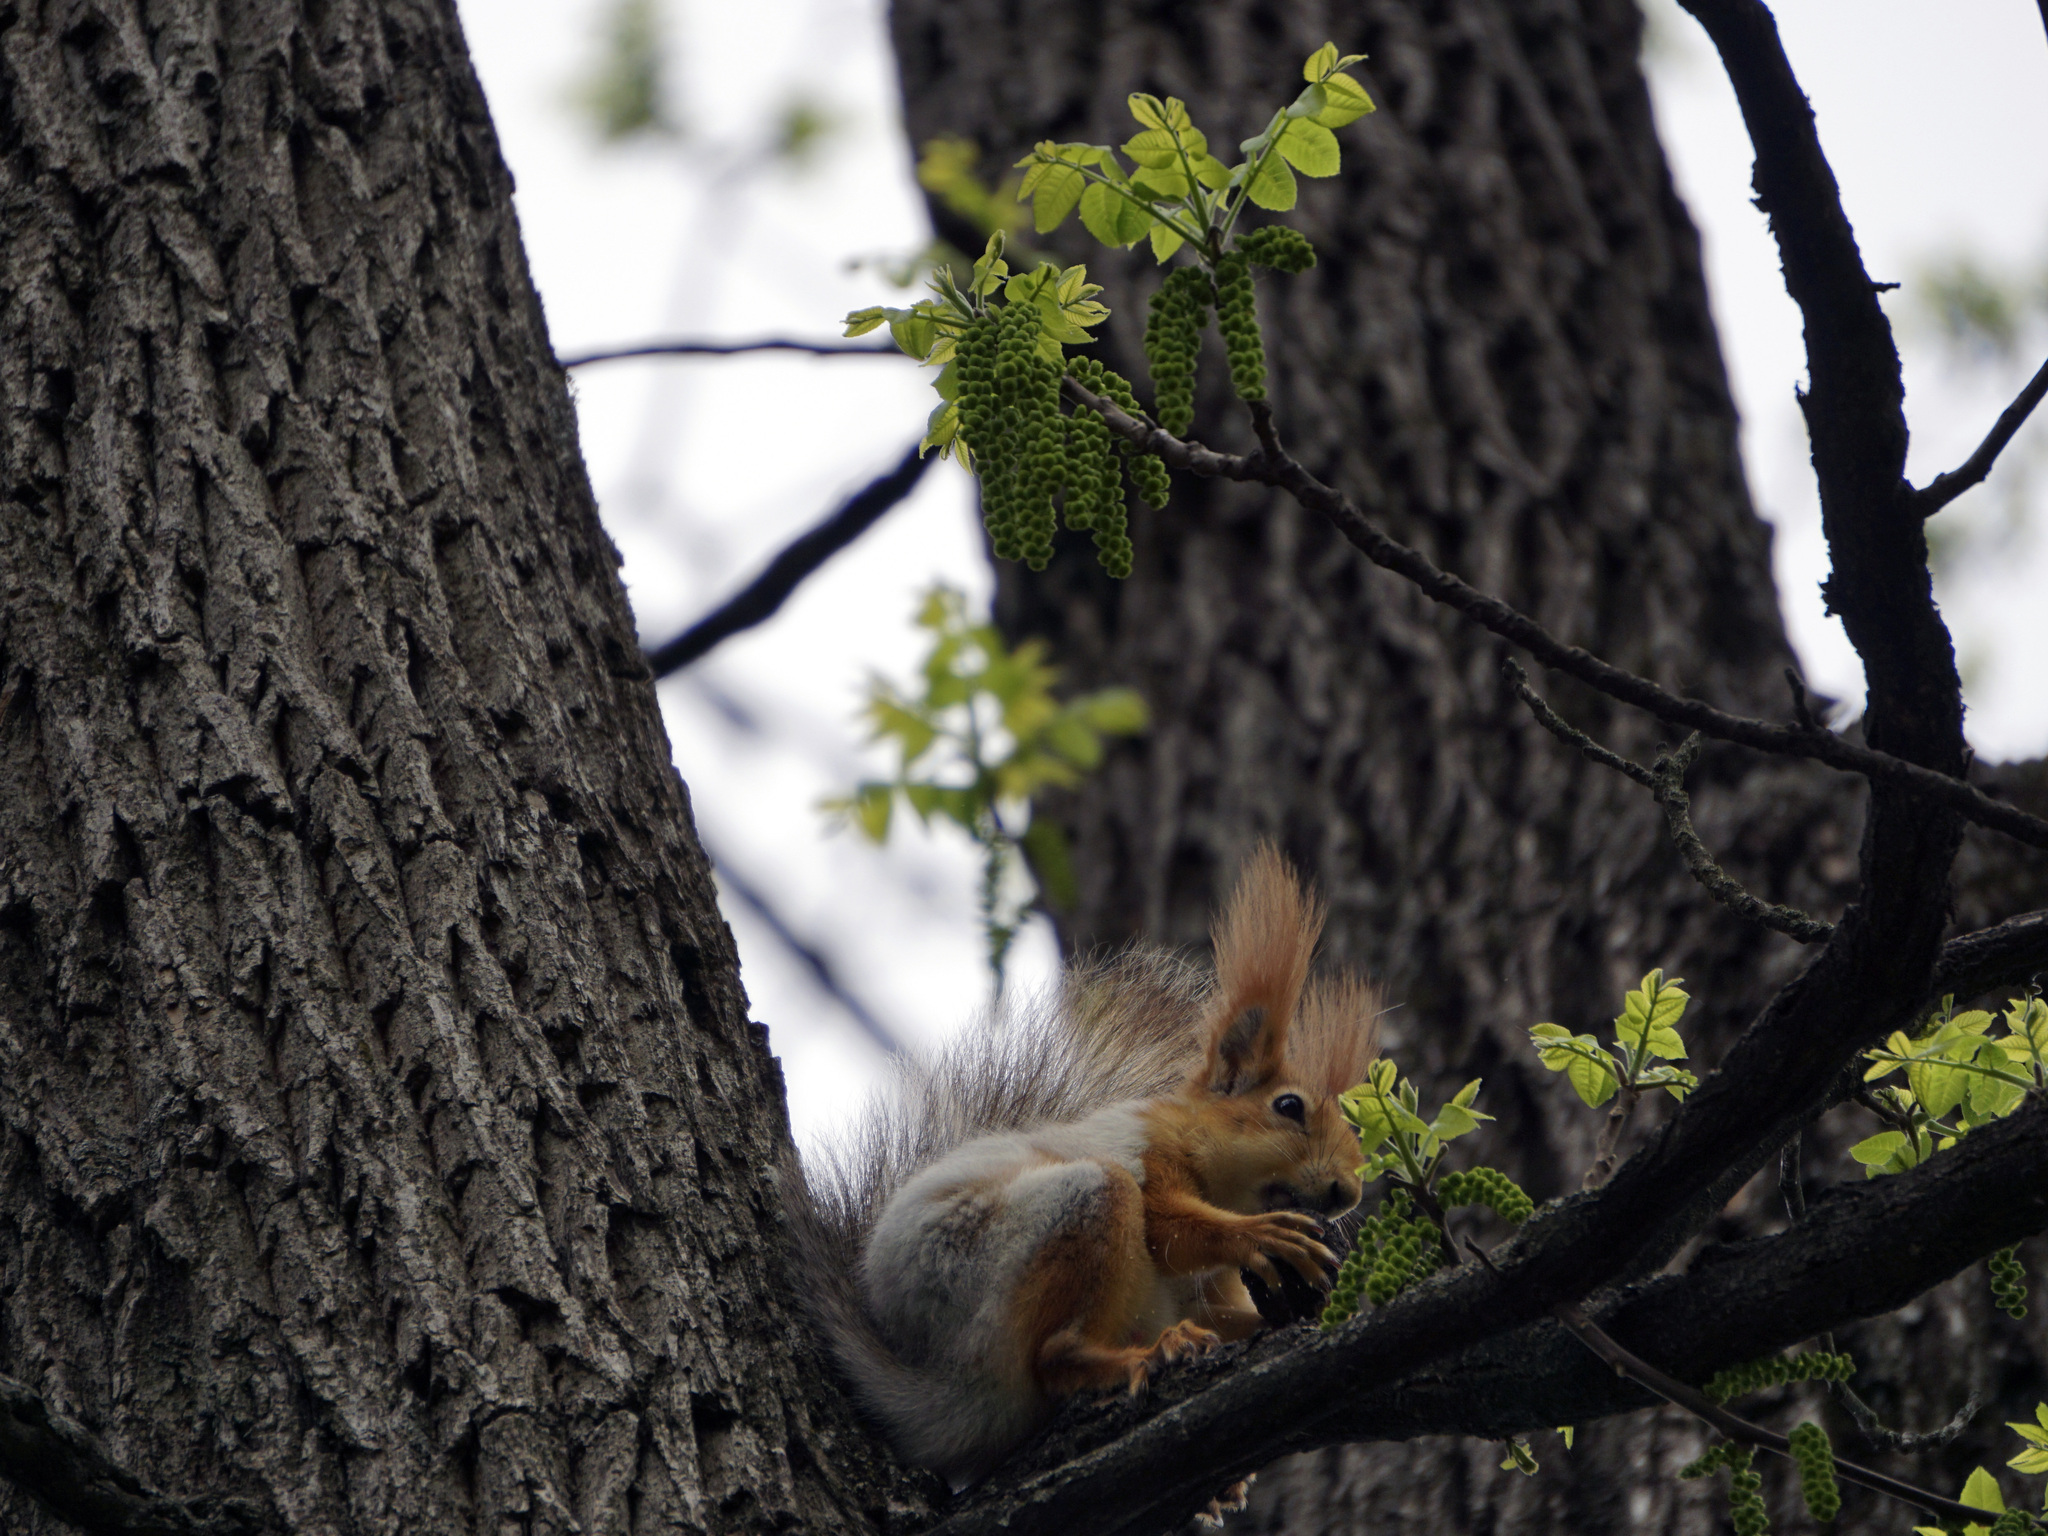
(949, 1252)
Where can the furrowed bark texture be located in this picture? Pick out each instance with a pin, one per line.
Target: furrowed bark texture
(386, 1143)
(1506, 350)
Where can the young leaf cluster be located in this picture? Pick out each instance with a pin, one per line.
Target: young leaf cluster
(976, 741)
(1981, 1491)
(999, 339)
(1959, 1075)
(1645, 1035)
(1393, 1136)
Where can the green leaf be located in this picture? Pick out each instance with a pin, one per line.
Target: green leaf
(1347, 101)
(1045, 846)
(2030, 1461)
(861, 321)
(1055, 196)
(1165, 183)
(1310, 148)
(1594, 1081)
(1157, 149)
(1458, 1117)
(1311, 101)
(1981, 1492)
(1148, 110)
(1938, 1087)
(1366, 1108)
(1566, 1431)
(1114, 711)
(1320, 63)
(1111, 218)
(1211, 172)
(871, 806)
(940, 428)
(1272, 185)
(1165, 241)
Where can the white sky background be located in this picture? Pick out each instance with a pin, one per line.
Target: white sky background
(1934, 112)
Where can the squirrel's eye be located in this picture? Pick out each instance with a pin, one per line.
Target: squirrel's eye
(1290, 1105)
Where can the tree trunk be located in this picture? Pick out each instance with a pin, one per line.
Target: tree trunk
(1507, 344)
(386, 1140)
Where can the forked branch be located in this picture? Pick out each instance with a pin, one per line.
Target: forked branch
(1945, 488)
(1823, 746)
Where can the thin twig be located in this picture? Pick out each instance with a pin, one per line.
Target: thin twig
(1739, 1429)
(1677, 804)
(767, 592)
(1439, 585)
(730, 349)
(822, 970)
(1606, 1155)
(1945, 488)
(1666, 782)
(1802, 711)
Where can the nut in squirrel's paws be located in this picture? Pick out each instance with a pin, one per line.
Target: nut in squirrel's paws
(1228, 1502)
(1290, 1236)
(1183, 1341)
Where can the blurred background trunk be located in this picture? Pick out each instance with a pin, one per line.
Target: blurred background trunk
(1507, 345)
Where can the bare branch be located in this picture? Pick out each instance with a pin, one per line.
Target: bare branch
(1667, 783)
(71, 1473)
(1739, 1429)
(823, 972)
(2008, 955)
(730, 349)
(1390, 554)
(759, 599)
(1945, 488)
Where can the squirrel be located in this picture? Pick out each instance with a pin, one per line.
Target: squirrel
(1064, 1200)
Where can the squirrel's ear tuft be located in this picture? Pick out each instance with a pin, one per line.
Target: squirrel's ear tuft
(1263, 945)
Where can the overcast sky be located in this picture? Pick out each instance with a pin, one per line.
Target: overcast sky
(1933, 111)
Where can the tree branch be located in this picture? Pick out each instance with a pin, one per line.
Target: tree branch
(70, 1472)
(2010, 954)
(1390, 554)
(759, 599)
(1739, 1429)
(730, 349)
(1667, 783)
(1111, 1465)
(1945, 488)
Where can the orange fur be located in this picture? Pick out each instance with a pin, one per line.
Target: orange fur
(1240, 1166)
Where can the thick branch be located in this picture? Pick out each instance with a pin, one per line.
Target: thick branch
(730, 349)
(759, 599)
(70, 1472)
(1113, 1466)
(2008, 955)
(1389, 554)
(1945, 488)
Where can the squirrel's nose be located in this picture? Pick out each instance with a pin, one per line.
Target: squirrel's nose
(1333, 1197)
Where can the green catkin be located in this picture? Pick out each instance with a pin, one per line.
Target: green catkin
(1488, 1187)
(1392, 1251)
(1745, 1487)
(2009, 1282)
(1173, 335)
(1775, 1371)
(1238, 319)
(1277, 246)
(1147, 472)
(1816, 1459)
(2015, 1522)
(1096, 450)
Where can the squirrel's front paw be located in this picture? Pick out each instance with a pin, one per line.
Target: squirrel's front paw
(1182, 1341)
(1289, 1236)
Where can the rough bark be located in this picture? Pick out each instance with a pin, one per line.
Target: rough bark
(1507, 347)
(386, 1144)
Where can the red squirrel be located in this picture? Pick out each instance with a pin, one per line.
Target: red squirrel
(1064, 1201)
